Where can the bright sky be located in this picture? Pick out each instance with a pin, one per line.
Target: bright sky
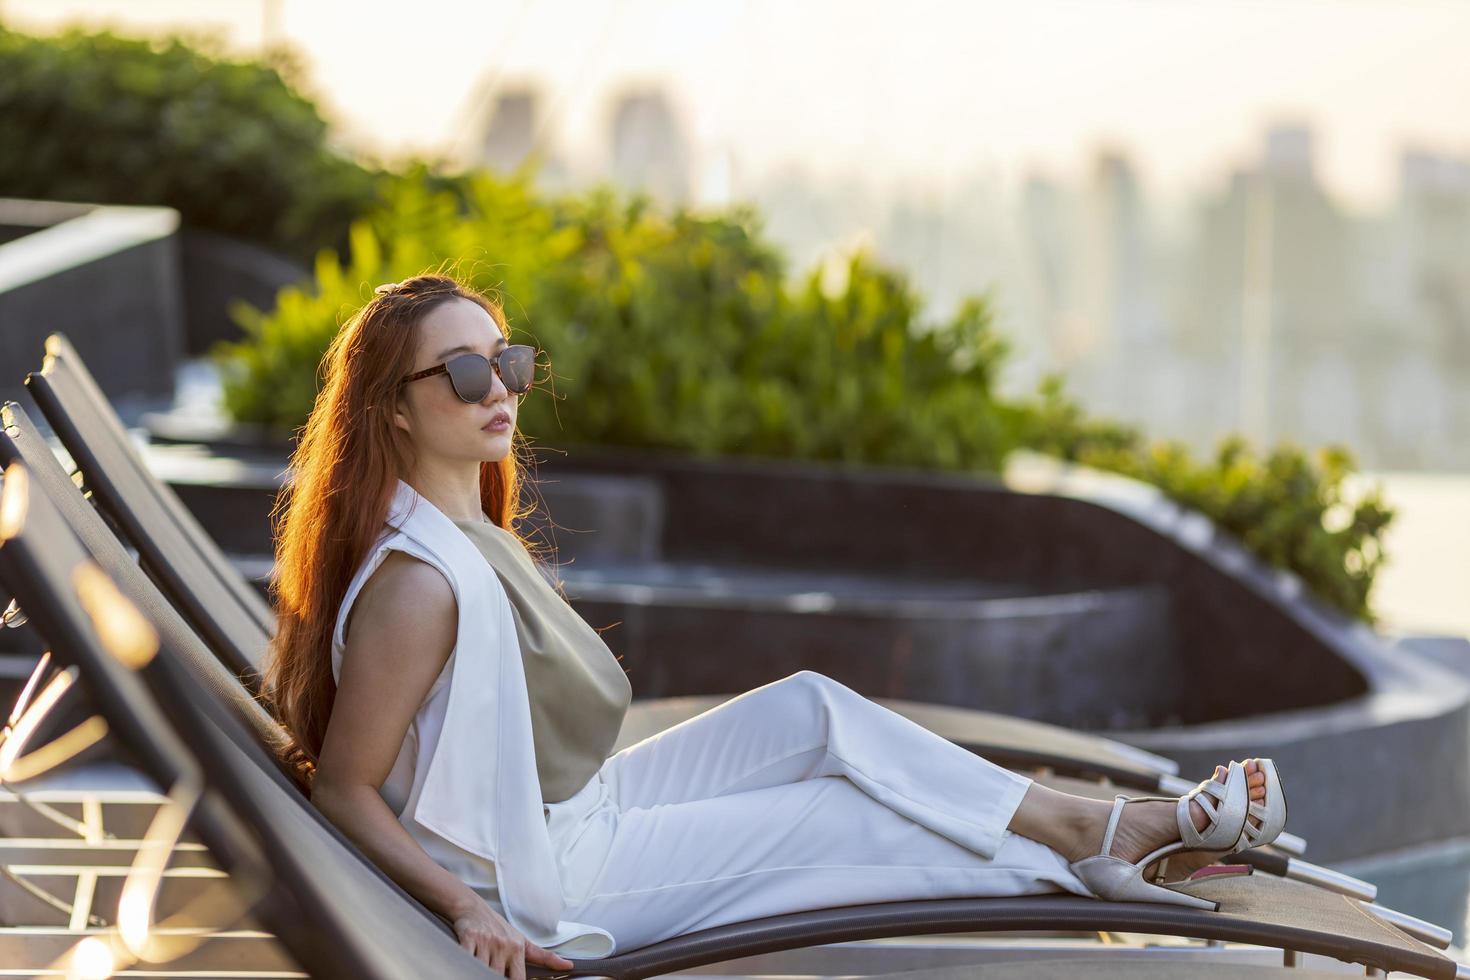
(913, 90)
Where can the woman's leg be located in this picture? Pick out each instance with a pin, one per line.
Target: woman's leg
(806, 726)
(673, 868)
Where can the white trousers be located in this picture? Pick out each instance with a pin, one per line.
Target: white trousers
(797, 795)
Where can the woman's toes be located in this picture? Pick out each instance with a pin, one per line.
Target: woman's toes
(1256, 785)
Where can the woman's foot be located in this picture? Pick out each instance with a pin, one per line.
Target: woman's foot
(1074, 826)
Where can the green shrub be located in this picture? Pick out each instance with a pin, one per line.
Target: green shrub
(97, 118)
(683, 332)
(673, 331)
(1288, 506)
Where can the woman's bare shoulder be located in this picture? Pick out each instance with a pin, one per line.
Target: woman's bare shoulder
(407, 605)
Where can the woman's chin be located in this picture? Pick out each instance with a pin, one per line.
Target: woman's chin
(495, 446)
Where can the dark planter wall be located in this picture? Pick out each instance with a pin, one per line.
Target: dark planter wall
(1227, 625)
(1096, 660)
(219, 270)
(122, 312)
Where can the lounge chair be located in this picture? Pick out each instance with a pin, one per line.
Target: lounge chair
(40, 561)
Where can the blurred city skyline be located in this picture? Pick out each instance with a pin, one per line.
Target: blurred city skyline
(919, 94)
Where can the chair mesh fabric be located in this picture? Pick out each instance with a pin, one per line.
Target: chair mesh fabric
(70, 363)
(1293, 906)
(134, 501)
(22, 442)
(36, 563)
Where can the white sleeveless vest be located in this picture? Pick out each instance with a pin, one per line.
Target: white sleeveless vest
(474, 781)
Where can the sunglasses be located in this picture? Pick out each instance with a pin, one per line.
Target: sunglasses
(472, 377)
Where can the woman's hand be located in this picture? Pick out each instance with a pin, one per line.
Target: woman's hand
(497, 944)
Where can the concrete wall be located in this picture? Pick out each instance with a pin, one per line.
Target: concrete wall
(109, 279)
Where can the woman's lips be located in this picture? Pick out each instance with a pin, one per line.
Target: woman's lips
(499, 423)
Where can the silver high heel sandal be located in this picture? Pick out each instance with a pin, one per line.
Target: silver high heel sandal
(1271, 813)
(1116, 880)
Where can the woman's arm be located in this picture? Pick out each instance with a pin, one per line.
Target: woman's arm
(402, 629)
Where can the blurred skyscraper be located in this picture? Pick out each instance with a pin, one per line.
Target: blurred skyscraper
(1126, 360)
(510, 130)
(1270, 296)
(513, 129)
(1114, 260)
(649, 150)
(1429, 295)
(1050, 248)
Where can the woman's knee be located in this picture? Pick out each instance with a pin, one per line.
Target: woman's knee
(819, 686)
(813, 681)
(805, 693)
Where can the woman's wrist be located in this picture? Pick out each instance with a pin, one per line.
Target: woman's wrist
(463, 901)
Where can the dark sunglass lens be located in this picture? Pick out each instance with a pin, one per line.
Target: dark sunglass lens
(518, 367)
(470, 375)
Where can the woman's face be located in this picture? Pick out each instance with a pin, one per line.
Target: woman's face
(441, 425)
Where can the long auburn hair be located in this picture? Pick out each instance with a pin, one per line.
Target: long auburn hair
(345, 466)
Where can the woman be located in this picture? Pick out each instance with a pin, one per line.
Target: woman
(455, 717)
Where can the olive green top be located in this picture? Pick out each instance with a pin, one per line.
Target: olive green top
(579, 692)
